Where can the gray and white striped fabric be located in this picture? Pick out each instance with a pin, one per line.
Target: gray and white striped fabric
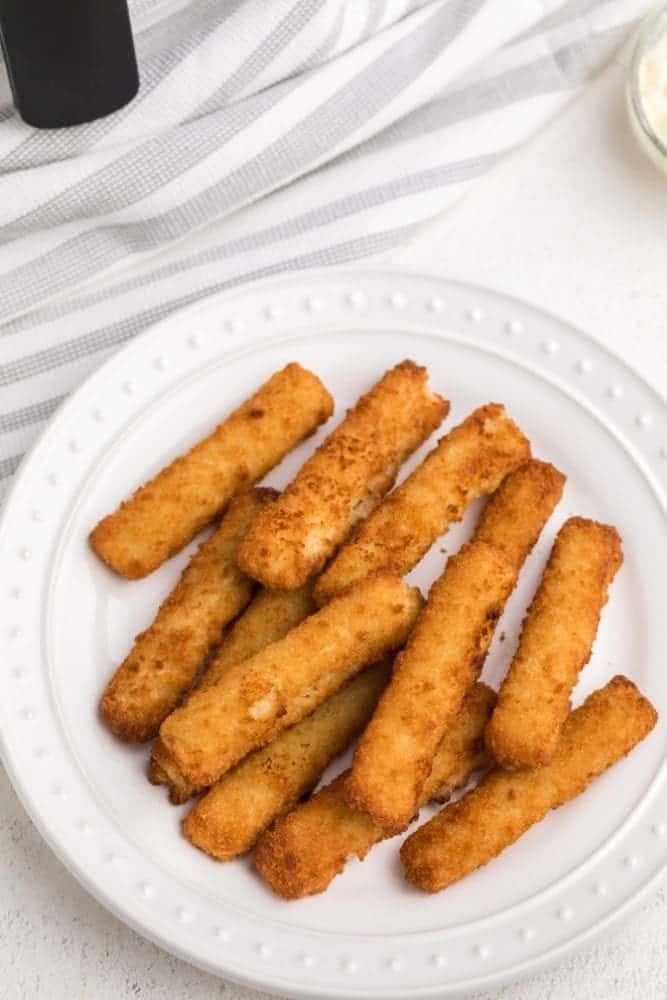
(268, 135)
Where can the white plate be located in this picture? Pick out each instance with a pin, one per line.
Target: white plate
(67, 621)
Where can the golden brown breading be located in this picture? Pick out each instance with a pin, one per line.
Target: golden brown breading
(461, 750)
(343, 480)
(516, 513)
(472, 831)
(441, 661)
(556, 642)
(307, 848)
(165, 659)
(163, 771)
(269, 617)
(167, 512)
(468, 463)
(228, 820)
(255, 700)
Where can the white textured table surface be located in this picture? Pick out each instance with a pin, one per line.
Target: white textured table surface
(575, 223)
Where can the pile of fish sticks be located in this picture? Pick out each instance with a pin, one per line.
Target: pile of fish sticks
(292, 633)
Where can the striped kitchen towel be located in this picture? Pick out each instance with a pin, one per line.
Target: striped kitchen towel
(268, 135)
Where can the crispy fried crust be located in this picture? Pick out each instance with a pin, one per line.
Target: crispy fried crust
(158, 774)
(163, 771)
(461, 750)
(167, 512)
(472, 831)
(556, 642)
(306, 849)
(469, 462)
(165, 659)
(257, 699)
(441, 661)
(269, 617)
(227, 821)
(343, 480)
(516, 513)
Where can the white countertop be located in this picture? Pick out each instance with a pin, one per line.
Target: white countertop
(575, 223)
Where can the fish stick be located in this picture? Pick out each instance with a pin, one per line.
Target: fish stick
(555, 644)
(268, 617)
(467, 463)
(343, 480)
(516, 513)
(167, 512)
(471, 832)
(511, 523)
(228, 820)
(432, 675)
(255, 700)
(165, 659)
(304, 850)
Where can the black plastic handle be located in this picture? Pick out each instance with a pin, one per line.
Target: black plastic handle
(69, 61)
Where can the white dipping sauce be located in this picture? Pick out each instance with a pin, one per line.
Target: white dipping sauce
(652, 80)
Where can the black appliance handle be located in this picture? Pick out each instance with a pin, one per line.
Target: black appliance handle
(69, 61)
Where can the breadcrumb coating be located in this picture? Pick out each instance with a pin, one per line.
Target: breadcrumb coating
(165, 659)
(343, 481)
(228, 820)
(167, 512)
(471, 832)
(442, 660)
(304, 851)
(467, 463)
(269, 617)
(516, 513)
(556, 643)
(258, 698)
